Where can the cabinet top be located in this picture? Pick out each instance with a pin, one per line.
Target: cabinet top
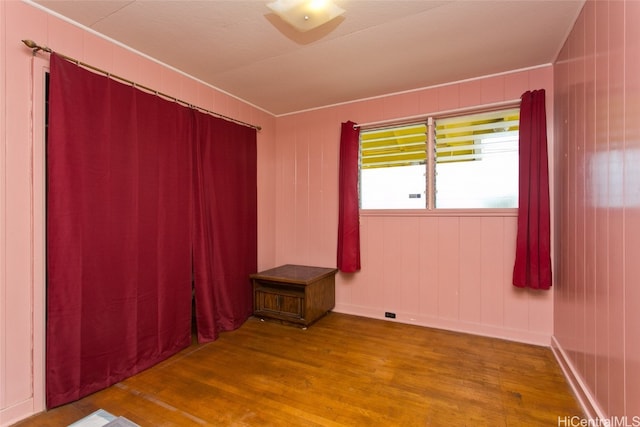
(291, 273)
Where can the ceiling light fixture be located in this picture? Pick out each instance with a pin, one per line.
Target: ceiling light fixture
(306, 15)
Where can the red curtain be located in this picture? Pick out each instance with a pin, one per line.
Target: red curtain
(533, 246)
(225, 238)
(348, 214)
(118, 243)
(144, 196)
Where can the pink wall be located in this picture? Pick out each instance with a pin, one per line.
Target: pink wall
(448, 270)
(597, 115)
(22, 178)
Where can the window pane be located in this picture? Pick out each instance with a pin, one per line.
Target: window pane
(477, 161)
(488, 183)
(393, 167)
(401, 187)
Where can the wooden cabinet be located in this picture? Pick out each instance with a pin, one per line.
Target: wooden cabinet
(294, 293)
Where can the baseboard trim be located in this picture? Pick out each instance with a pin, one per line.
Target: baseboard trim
(17, 412)
(584, 396)
(516, 335)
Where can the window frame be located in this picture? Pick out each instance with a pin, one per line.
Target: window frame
(430, 209)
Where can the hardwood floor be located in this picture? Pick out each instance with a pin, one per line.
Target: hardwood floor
(342, 371)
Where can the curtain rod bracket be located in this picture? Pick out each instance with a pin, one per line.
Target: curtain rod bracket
(35, 47)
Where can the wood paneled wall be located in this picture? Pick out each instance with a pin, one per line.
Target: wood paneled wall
(448, 271)
(597, 308)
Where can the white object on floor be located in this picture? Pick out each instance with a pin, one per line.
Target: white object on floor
(102, 418)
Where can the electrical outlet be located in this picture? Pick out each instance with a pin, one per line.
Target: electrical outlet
(389, 315)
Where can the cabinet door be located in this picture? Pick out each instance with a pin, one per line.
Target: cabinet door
(267, 301)
(291, 306)
(270, 303)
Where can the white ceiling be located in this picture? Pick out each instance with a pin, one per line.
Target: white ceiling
(377, 47)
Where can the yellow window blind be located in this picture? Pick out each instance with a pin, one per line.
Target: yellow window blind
(472, 137)
(397, 146)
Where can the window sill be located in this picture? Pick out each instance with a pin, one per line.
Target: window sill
(508, 212)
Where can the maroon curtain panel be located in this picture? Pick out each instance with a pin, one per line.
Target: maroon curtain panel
(348, 205)
(225, 226)
(532, 268)
(118, 232)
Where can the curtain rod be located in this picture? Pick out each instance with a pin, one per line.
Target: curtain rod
(35, 48)
(485, 107)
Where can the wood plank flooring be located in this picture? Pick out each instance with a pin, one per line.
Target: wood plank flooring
(342, 371)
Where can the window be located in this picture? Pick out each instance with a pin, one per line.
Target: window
(473, 163)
